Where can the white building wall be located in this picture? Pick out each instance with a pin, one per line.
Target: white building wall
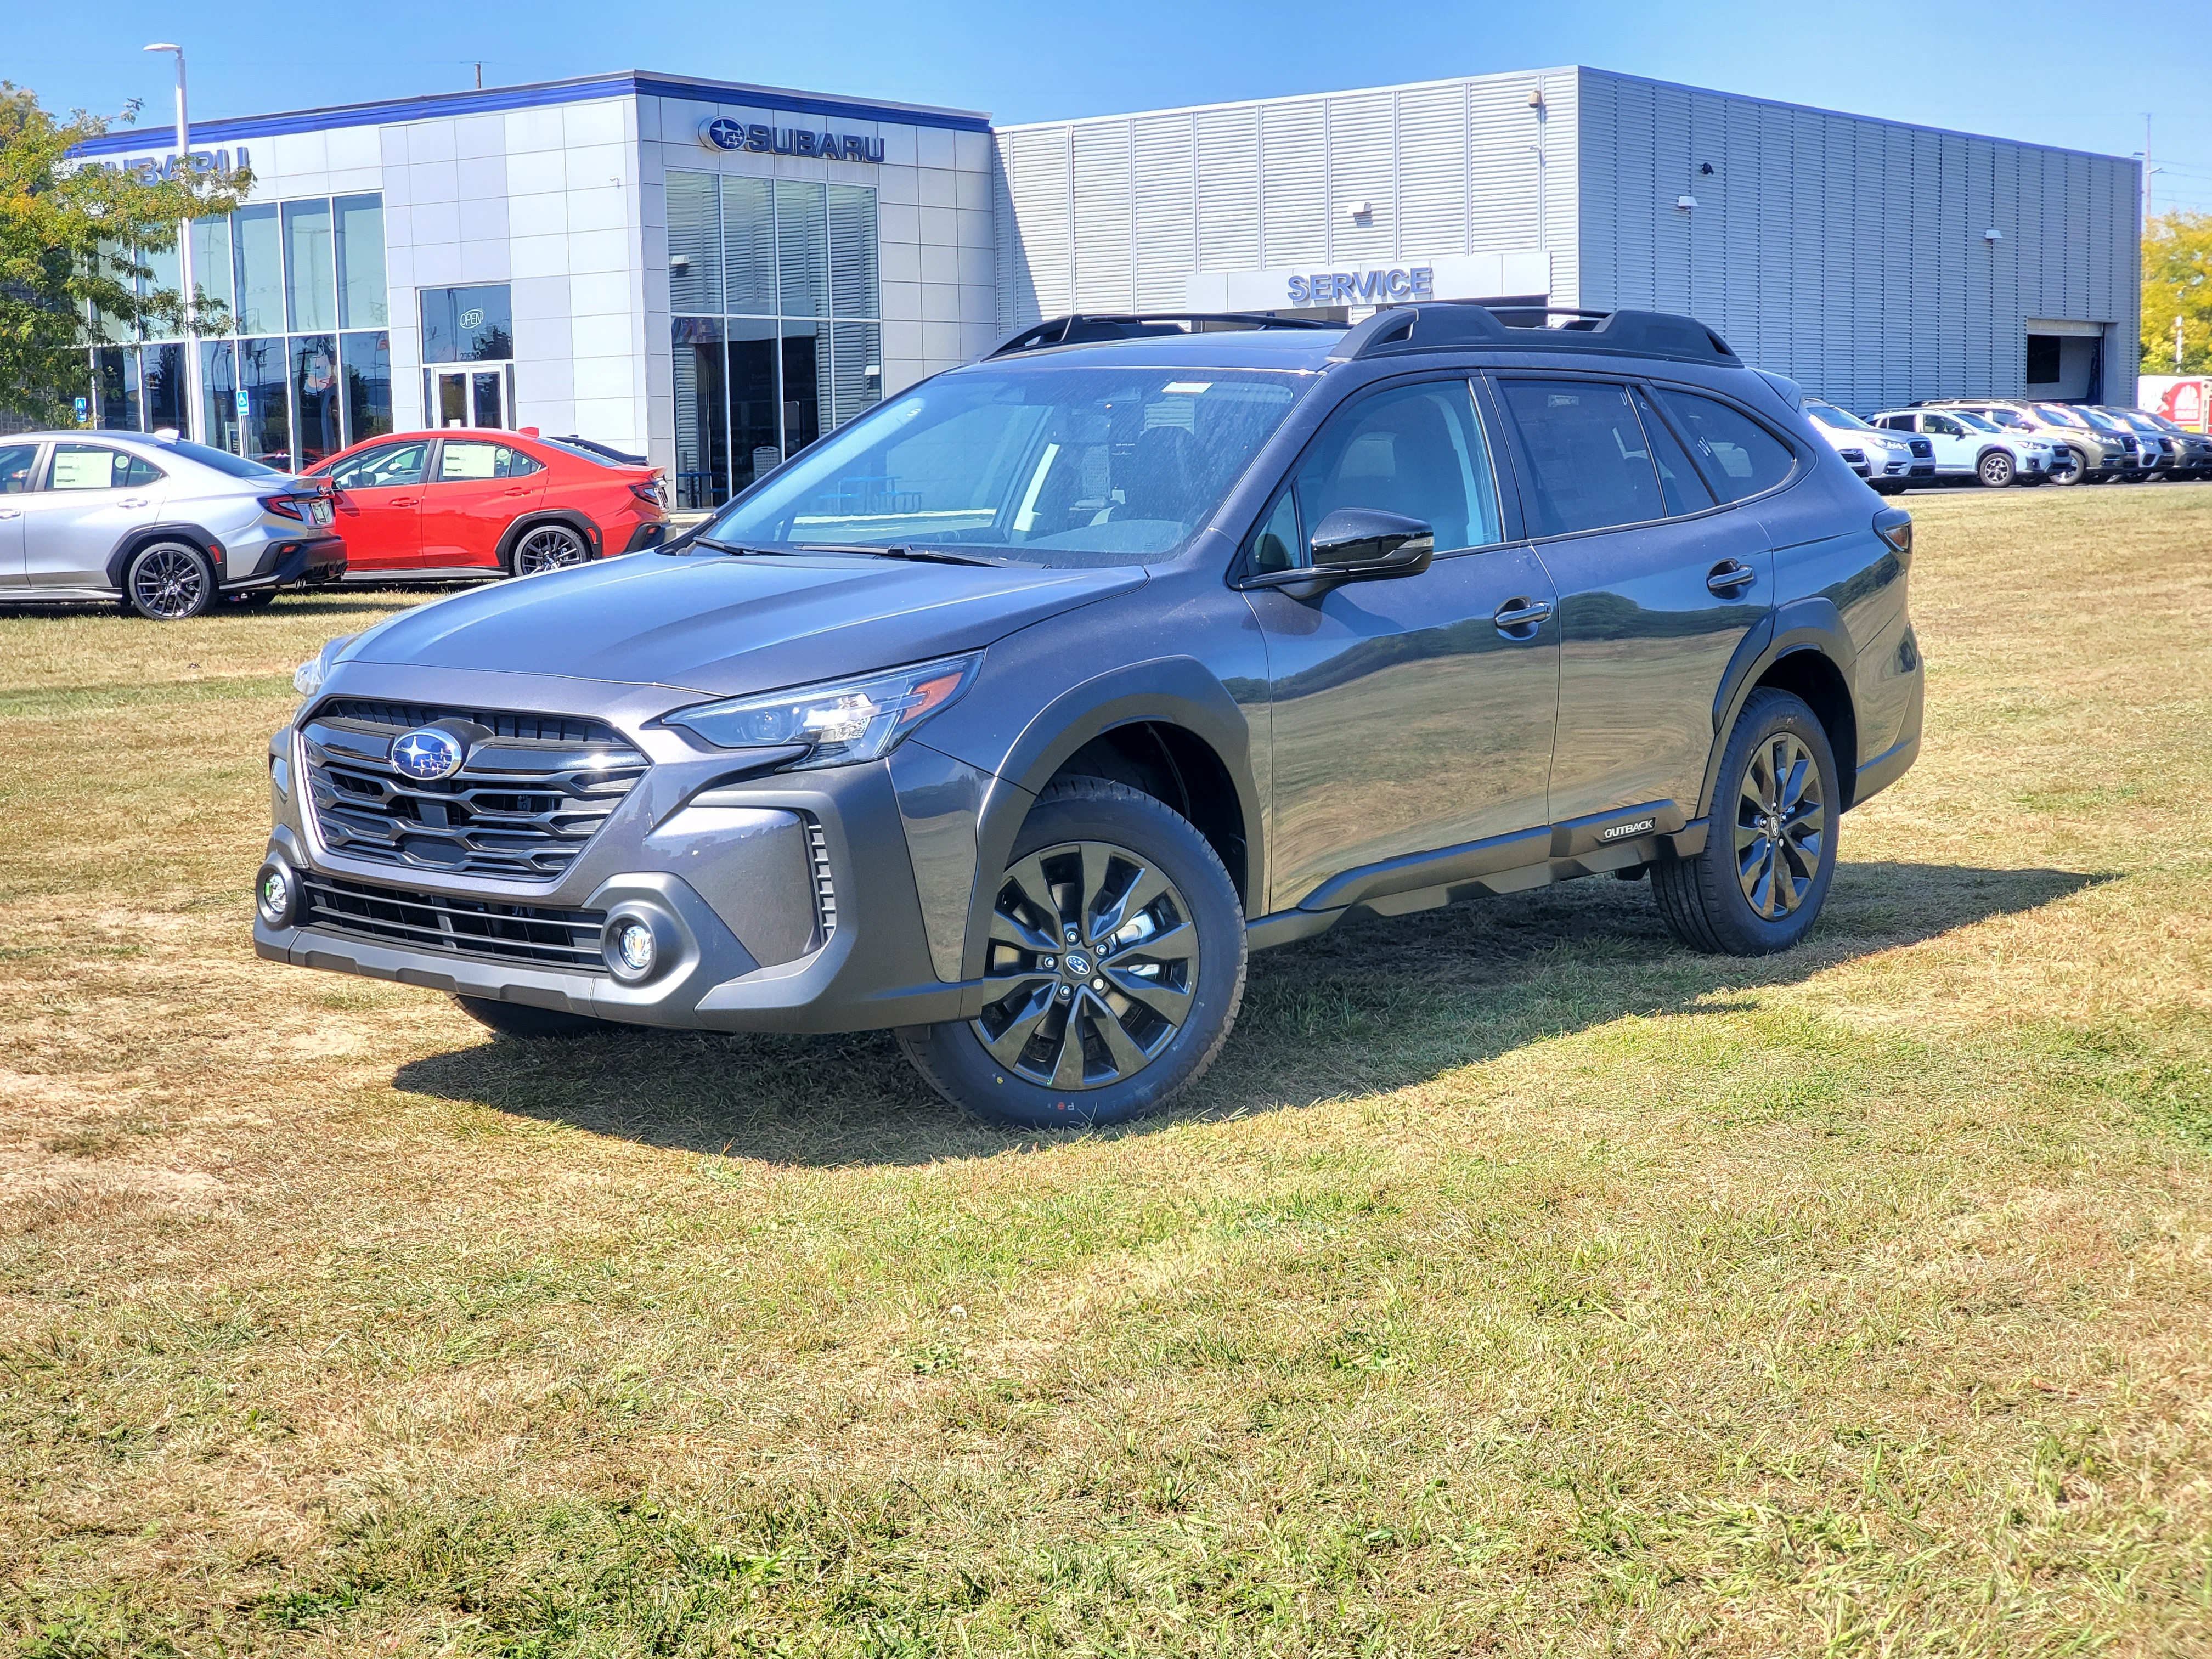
(1118, 213)
(1851, 253)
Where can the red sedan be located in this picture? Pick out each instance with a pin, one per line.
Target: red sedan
(477, 503)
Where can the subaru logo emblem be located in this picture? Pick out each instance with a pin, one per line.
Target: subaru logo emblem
(427, 754)
(1077, 964)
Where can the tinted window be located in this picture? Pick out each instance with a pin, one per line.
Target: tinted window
(1941, 425)
(16, 461)
(382, 467)
(1896, 422)
(1586, 452)
(1416, 450)
(89, 466)
(1679, 482)
(1276, 544)
(465, 462)
(1740, 457)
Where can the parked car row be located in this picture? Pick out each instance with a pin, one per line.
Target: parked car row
(168, 527)
(2000, 441)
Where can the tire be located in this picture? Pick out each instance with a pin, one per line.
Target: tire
(1995, 471)
(1746, 894)
(514, 1020)
(168, 582)
(1066, 1055)
(2067, 477)
(552, 546)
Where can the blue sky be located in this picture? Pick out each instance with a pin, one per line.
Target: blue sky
(2019, 70)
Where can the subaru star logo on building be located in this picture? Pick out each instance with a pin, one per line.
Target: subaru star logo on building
(428, 754)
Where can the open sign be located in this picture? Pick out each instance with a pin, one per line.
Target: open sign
(472, 318)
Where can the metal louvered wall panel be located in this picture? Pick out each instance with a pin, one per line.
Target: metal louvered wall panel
(1228, 237)
(1166, 208)
(1293, 184)
(1105, 240)
(1847, 253)
(1036, 229)
(1432, 172)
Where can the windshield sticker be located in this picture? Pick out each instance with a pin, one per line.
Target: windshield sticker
(1190, 388)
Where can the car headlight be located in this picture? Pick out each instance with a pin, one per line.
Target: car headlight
(307, 679)
(845, 722)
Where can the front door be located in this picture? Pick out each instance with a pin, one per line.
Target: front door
(19, 463)
(480, 489)
(1958, 451)
(93, 497)
(469, 394)
(379, 505)
(1658, 581)
(1406, 717)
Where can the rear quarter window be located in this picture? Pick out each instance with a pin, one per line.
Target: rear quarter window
(1740, 458)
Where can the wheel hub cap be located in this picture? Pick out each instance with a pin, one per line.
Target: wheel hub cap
(1092, 966)
(1781, 826)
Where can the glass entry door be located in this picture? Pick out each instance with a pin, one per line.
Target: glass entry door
(470, 394)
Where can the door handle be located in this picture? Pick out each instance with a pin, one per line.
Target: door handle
(11, 511)
(1516, 614)
(406, 500)
(133, 501)
(1729, 577)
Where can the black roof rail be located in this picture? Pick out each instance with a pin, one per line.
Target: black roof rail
(1458, 323)
(1084, 328)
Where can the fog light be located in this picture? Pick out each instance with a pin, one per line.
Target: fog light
(276, 894)
(633, 949)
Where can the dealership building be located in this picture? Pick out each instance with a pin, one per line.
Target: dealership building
(714, 274)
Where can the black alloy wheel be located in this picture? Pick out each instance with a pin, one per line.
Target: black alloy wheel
(169, 582)
(1113, 969)
(548, 547)
(1762, 878)
(1995, 471)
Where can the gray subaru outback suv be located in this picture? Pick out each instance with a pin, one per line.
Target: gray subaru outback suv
(1016, 714)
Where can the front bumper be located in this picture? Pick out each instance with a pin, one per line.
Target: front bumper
(703, 850)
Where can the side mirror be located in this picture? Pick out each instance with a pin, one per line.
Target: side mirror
(1362, 544)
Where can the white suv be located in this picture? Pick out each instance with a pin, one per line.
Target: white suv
(1971, 446)
(1888, 463)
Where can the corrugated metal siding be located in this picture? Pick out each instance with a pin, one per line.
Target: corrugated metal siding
(1847, 253)
(1445, 167)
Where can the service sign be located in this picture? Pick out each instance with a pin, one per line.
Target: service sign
(723, 133)
(1347, 283)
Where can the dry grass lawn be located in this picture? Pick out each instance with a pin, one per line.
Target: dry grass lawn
(1517, 1283)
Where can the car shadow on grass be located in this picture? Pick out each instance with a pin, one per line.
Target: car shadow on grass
(1368, 1008)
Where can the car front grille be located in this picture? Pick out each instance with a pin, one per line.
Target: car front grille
(1922, 448)
(457, 925)
(533, 790)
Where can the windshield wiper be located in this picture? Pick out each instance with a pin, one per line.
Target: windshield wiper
(899, 550)
(735, 548)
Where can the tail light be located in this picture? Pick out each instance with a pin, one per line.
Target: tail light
(1894, 525)
(651, 491)
(288, 506)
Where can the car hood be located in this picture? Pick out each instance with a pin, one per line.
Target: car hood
(727, 625)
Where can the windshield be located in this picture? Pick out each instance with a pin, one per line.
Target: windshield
(2059, 415)
(1841, 420)
(2102, 421)
(1971, 421)
(222, 460)
(1038, 464)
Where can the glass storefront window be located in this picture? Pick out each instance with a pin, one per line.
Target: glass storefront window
(801, 299)
(310, 269)
(468, 325)
(695, 244)
(115, 385)
(261, 376)
(258, 260)
(219, 395)
(316, 419)
(163, 377)
(211, 259)
(365, 359)
(360, 262)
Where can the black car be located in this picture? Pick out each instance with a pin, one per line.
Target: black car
(1013, 714)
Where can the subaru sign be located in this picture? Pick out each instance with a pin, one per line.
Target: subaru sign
(723, 133)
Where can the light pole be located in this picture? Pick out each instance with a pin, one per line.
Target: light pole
(184, 252)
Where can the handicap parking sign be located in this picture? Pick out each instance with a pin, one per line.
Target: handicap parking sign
(83, 408)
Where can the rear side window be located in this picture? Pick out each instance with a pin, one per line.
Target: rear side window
(1679, 482)
(465, 462)
(1416, 450)
(1742, 457)
(1587, 452)
(91, 466)
(16, 461)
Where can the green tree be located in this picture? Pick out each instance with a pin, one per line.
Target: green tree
(2177, 265)
(71, 239)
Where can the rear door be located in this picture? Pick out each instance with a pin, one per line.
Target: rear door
(1406, 716)
(94, 495)
(1658, 579)
(19, 468)
(480, 488)
(378, 509)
